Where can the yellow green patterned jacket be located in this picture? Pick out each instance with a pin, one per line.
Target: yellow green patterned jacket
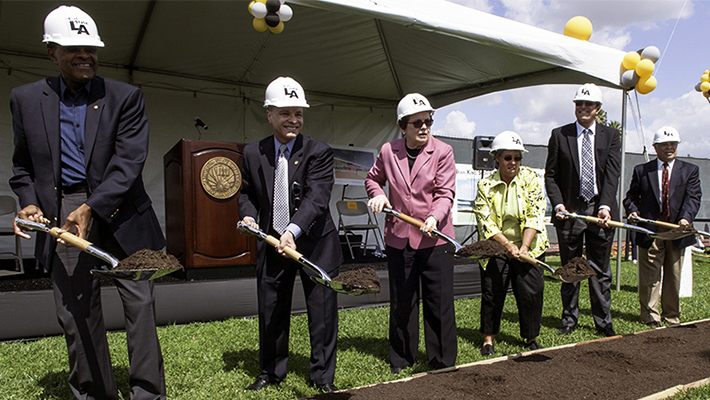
(531, 207)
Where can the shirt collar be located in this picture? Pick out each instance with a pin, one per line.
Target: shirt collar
(659, 163)
(63, 88)
(581, 129)
(289, 145)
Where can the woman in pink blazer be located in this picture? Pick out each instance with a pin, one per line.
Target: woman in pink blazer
(421, 174)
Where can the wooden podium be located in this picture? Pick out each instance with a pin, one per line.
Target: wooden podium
(202, 182)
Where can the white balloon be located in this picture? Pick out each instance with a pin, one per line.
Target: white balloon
(651, 53)
(285, 13)
(629, 78)
(258, 10)
(697, 87)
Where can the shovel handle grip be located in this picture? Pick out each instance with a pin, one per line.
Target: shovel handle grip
(666, 224)
(528, 259)
(293, 254)
(70, 238)
(412, 221)
(615, 224)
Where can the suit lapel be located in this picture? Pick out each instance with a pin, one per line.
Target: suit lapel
(94, 109)
(400, 158)
(268, 164)
(652, 174)
(295, 161)
(570, 131)
(422, 158)
(49, 105)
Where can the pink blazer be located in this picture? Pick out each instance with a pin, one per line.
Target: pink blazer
(428, 190)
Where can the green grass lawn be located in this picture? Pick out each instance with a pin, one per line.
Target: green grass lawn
(217, 360)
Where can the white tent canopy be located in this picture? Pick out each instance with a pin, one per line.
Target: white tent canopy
(355, 59)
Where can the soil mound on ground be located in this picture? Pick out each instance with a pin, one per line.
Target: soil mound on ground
(149, 260)
(482, 248)
(363, 278)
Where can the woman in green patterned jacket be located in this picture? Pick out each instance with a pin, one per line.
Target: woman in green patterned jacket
(510, 209)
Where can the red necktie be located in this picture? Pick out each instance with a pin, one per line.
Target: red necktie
(665, 207)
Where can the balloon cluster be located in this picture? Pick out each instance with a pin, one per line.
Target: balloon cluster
(637, 69)
(579, 28)
(270, 14)
(704, 85)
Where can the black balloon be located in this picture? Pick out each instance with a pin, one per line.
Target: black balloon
(272, 19)
(273, 5)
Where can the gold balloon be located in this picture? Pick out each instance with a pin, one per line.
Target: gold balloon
(705, 87)
(278, 28)
(260, 24)
(705, 78)
(645, 68)
(249, 7)
(579, 28)
(630, 60)
(646, 85)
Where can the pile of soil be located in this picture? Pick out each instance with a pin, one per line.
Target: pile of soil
(149, 260)
(623, 367)
(676, 233)
(577, 268)
(363, 278)
(482, 248)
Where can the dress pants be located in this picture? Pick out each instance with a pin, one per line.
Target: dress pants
(663, 256)
(275, 291)
(434, 269)
(576, 238)
(77, 295)
(528, 288)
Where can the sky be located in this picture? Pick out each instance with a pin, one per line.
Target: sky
(680, 30)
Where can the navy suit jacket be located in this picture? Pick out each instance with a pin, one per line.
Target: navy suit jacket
(311, 178)
(562, 169)
(116, 147)
(644, 195)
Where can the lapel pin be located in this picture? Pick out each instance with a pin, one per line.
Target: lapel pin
(96, 107)
(295, 162)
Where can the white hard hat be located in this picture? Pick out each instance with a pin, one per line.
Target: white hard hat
(411, 104)
(507, 140)
(666, 134)
(71, 26)
(588, 92)
(285, 92)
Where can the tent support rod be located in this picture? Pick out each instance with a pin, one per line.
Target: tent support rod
(619, 255)
(386, 49)
(141, 35)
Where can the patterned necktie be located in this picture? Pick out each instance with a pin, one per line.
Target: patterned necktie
(586, 187)
(665, 206)
(281, 207)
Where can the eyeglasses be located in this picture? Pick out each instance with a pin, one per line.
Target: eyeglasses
(509, 157)
(418, 123)
(585, 104)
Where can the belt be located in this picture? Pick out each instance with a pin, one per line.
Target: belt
(76, 188)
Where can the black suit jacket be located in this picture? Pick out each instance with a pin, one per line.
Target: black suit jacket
(116, 147)
(311, 178)
(562, 168)
(644, 195)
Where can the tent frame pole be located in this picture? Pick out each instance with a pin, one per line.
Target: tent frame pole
(620, 232)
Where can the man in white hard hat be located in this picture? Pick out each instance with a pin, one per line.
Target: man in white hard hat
(287, 182)
(421, 174)
(80, 145)
(665, 189)
(582, 176)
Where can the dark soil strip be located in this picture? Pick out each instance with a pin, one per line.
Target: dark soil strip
(149, 260)
(482, 248)
(577, 267)
(363, 278)
(676, 233)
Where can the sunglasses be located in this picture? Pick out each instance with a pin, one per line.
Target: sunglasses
(418, 123)
(585, 104)
(516, 158)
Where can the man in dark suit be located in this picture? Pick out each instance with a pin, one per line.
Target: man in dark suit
(80, 145)
(581, 176)
(287, 181)
(665, 189)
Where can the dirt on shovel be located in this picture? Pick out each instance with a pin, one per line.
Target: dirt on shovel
(149, 260)
(577, 268)
(482, 248)
(363, 278)
(676, 233)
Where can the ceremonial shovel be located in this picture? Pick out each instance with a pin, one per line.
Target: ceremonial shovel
(616, 224)
(88, 247)
(667, 225)
(322, 277)
(419, 224)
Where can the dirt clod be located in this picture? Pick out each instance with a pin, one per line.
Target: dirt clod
(482, 248)
(363, 278)
(577, 267)
(149, 260)
(676, 233)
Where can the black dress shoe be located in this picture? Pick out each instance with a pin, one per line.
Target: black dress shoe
(258, 384)
(654, 324)
(396, 370)
(534, 345)
(566, 330)
(487, 350)
(327, 388)
(608, 331)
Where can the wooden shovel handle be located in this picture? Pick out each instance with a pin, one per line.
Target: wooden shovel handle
(293, 254)
(70, 238)
(528, 259)
(666, 224)
(406, 218)
(615, 224)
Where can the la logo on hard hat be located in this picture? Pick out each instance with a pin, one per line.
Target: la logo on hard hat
(585, 91)
(419, 102)
(668, 133)
(293, 93)
(81, 29)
